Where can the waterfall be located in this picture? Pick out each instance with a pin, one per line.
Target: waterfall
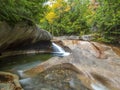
(58, 51)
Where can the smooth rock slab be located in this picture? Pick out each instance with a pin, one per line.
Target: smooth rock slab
(58, 77)
(97, 65)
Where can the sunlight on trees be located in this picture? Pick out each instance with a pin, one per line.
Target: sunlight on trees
(79, 17)
(50, 17)
(67, 17)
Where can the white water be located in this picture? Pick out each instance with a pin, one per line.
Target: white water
(59, 51)
(98, 86)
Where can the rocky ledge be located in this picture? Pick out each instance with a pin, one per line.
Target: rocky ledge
(96, 65)
(20, 35)
(9, 81)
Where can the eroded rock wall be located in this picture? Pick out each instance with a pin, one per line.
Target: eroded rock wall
(21, 34)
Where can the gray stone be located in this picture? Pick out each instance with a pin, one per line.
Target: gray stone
(21, 34)
(72, 37)
(87, 37)
(93, 62)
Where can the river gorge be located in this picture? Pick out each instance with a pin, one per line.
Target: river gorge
(31, 59)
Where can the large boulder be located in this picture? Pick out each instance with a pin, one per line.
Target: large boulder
(21, 34)
(97, 65)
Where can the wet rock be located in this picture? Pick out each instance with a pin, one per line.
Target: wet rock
(97, 65)
(21, 34)
(39, 47)
(56, 78)
(116, 49)
(9, 82)
(88, 37)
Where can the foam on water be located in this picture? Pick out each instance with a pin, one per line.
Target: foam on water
(98, 86)
(58, 51)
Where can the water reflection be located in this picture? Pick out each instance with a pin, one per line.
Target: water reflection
(22, 62)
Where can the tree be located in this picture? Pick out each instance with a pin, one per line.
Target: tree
(14, 11)
(99, 17)
(108, 20)
(67, 18)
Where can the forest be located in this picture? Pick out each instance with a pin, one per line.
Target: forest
(59, 44)
(100, 18)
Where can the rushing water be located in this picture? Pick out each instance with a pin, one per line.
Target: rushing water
(59, 51)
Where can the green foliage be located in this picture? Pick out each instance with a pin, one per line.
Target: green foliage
(77, 17)
(107, 18)
(14, 11)
(85, 17)
(69, 19)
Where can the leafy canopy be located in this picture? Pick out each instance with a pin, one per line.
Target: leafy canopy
(14, 11)
(98, 17)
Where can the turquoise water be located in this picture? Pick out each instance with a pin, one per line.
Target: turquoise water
(19, 63)
(14, 64)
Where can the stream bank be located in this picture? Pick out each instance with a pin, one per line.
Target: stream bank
(97, 65)
(90, 66)
(17, 39)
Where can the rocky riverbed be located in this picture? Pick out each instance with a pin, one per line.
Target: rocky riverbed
(55, 78)
(90, 66)
(98, 65)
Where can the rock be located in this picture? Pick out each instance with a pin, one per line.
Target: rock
(56, 78)
(97, 65)
(87, 37)
(9, 81)
(72, 37)
(21, 34)
(38, 47)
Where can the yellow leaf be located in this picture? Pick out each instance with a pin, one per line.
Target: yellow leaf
(67, 8)
(50, 16)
